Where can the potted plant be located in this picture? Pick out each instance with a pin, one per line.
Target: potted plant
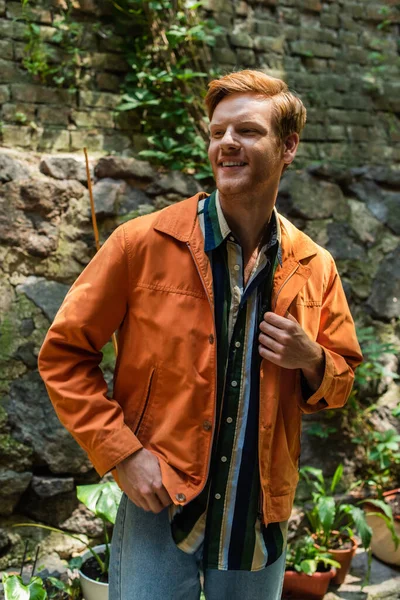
(103, 500)
(308, 570)
(333, 523)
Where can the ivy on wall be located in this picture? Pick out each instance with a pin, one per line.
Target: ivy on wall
(167, 49)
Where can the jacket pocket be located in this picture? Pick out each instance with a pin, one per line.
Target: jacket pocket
(145, 403)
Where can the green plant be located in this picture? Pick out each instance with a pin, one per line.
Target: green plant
(40, 59)
(304, 557)
(321, 430)
(330, 520)
(169, 61)
(20, 117)
(103, 500)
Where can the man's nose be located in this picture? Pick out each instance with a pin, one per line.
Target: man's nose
(229, 140)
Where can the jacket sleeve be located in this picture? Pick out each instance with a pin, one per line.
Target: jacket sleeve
(69, 359)
(338, 339)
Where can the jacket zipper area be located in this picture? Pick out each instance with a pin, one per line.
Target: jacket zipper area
(215, 381)
(283, 285)
(148, 392)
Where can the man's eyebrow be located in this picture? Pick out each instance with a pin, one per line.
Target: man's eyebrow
(246, 121)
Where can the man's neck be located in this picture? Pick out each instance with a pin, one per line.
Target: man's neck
(248, 218)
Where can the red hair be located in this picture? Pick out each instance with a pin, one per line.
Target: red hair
(290, 112)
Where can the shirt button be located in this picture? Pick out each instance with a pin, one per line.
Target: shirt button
(223, 458)
(217, 496)
(234, 383)
(237, 344)
(236, 267)
(229, 420)
(211, 338)
(207, 425)
(231, 238)
(180, 497)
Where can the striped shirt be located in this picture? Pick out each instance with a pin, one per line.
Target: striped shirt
(225, 516)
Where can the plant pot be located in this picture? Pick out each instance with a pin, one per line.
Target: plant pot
(306, 587)
(344, 558)
(382, 545)
(91, 589)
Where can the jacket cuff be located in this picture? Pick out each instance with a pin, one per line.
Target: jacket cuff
(114, 449)
(316, 400)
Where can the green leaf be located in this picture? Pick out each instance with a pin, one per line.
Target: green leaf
(308, 566)
(101, 498)
(337, 477)
(326, 513)
(363, 529)
(14, 588)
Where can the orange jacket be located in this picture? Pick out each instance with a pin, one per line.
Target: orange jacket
(152, 281)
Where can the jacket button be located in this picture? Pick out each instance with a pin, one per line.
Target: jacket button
(207, 425)
(211, 338)
(180, 497)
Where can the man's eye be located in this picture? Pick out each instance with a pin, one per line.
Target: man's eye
(248, 131)
(217, 133)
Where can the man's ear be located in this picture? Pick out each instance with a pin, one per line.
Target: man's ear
(290, 146)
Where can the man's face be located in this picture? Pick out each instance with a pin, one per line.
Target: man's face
(245, 152)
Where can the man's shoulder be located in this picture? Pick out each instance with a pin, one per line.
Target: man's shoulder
(176, 218)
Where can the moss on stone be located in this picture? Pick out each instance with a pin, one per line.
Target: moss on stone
(108, 361)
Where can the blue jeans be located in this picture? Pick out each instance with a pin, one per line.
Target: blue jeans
(147, 565)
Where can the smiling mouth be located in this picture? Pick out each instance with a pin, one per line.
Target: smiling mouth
(231, 163)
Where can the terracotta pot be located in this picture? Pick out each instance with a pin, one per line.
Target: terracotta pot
(382, 545)
(93, 590)
(344, 558)
(306, 587)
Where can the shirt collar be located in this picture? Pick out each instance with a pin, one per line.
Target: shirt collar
(216, 229)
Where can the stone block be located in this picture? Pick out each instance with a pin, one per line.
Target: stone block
(95, 118)
(8, 71)
(119, 167)
(329, 20)
(104, 61)
(270, 44)
(311, 49)
(18, 113)
(108, 82)
(347, 22)
(348, 38)
(117, 142)
(6, 50)
(355, 54)
(2, 7)
(57, 140)
(320, 35)
(218, 6)
(311, 5)
(241, 39)
(14, 135)
(267, 28)
(51, 115)
(224, 20)
(12, 29)
(316, 65)
(4, 93)
(225, 56)
(41, 94)
(98, 99)
(246, 57)
(92, 140)
(14, 10)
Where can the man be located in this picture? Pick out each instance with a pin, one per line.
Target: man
(231, 322)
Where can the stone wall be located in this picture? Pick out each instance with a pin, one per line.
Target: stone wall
(38, 117)
(46, 240)
(341, 56)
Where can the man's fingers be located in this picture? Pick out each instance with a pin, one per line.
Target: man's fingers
(270, 343)
(163, 496)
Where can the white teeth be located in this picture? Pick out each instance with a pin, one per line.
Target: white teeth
(233, 164)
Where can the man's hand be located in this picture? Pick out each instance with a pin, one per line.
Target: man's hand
(286, 344)
(140, 479)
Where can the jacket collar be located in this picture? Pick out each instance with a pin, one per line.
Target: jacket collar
(180, 221)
